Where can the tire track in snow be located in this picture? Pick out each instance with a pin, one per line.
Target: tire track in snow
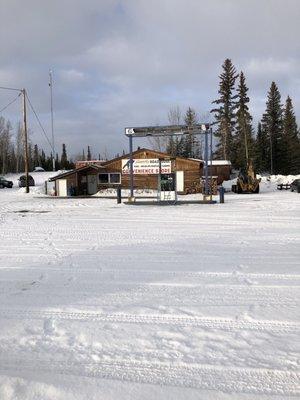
(226, 324)
(225, 379)
(156, 273)
(118, 294)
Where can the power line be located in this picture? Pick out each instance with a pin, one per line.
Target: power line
(16, 98)
(32, 108)
(39, 122)
(9, 88)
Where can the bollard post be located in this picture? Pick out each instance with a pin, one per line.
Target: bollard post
(119, 195)
(221, 193)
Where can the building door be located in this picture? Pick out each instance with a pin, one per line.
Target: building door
(92, 184)
(180, 181)
(62, 187)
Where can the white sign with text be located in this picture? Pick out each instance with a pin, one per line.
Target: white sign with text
(147, 166)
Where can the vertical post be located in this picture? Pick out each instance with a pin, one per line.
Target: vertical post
(25, 140)
(175, 177)
(221, 193)
(211, 157)
(206, 189)
(131, 166)
(159, 181)
(52, 126)
(119, 195)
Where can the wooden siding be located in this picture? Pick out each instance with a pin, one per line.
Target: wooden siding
(221, 171)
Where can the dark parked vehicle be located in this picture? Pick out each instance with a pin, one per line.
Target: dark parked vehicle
(295, 186)
(22, 181)
(5, 183)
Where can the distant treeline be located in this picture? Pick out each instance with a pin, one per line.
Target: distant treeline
(12, 152)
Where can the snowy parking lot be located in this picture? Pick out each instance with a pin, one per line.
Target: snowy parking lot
(107, 301)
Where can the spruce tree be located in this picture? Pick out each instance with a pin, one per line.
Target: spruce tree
(36, 156)
(49, 162)
(291, 142)
(64, 158)
(43, 159)
(89, 155)
(261, 160)
(57, 163)
(171, 149)
(243, 139)
(225, 113)
(189, 141)
(272, 126)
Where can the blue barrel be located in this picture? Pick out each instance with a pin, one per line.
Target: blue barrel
(221, 194)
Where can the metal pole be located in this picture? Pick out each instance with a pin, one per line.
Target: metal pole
(206, 189)
(159, 181)
(52, 126)
(175, 178)
(25, 140)
(211, 166)
(131, 167)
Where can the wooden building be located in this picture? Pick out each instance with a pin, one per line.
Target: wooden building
(221, 169)
(89, 179)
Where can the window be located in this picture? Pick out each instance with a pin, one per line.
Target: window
(103, 178)
(112, 178)
(115, 178)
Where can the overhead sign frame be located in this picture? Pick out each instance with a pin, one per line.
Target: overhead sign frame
(166, 131)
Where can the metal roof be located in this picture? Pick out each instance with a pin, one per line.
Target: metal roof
(74, 171)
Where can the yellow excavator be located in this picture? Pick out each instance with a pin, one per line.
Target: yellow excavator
(247, 182)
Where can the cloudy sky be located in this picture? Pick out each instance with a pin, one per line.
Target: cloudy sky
(120, 63)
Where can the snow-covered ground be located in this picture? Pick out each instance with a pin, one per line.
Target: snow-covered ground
(107, 301)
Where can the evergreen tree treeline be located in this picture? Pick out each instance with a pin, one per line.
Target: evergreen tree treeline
(12, 152)
(275, 148)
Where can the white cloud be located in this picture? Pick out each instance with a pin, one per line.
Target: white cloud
(72, 76)
(272, 67)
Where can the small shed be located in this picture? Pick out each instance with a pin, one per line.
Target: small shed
(78, 182)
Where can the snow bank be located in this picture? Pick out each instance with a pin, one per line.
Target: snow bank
(39, 177)
(268, 183)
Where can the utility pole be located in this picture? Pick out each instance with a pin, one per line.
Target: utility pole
(52, 127)
(23, 91)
